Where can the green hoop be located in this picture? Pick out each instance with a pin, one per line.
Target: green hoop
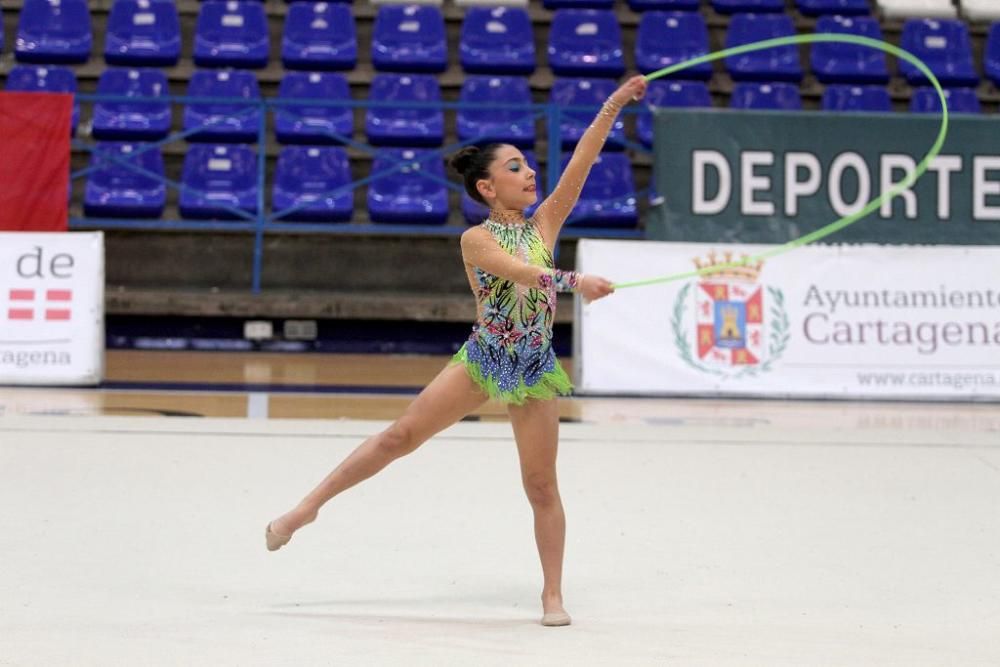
(837, 225)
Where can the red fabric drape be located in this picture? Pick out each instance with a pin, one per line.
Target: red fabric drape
(34, 161)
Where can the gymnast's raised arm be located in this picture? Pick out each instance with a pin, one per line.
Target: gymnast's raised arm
(557, 206)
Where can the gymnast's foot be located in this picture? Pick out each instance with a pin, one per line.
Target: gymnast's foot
(280, 530)
(553, 612)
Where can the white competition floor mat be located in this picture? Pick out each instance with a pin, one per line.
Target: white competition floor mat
(139, 541)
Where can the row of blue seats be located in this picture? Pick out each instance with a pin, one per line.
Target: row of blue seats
(943, 45)
(783, 96)
(321, 36)
(304, 124)
(218, 181)
(317, 34)
(807, 7)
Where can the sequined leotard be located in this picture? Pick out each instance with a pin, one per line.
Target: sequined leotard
(509, 353)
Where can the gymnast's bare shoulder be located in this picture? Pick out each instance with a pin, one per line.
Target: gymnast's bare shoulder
(474, 241)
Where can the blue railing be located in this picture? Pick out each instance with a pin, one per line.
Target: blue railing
(262, 222)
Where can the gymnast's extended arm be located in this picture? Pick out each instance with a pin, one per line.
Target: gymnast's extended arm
(557, 206)
(479, 249)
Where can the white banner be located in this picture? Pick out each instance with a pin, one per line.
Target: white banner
(820, 321)
(51, 308)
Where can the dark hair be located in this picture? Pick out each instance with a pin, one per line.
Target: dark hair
(473, 163)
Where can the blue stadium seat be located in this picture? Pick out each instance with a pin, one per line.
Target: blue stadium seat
(409, 39)
(831, 7)
(115, 191)
(231, 122)
(506, 125)
(779, 96)
(777, 64)
(586, 42)
(844, 97)
(944, 46)
(991, 57)
(319, 36)
(743, 6)
(497, 40)
(847, 63)
(406, 197)
(585, 92)
(231, 34)
(216, 178)
(667, 38)
(142, 33)
(45, 79)
(664, 5)
(670, 94)
(305, 175)
(132, 121)
(387, 126)
(608, 196)
(313, 124)
(53, 31)
(578, 4)
(960, 100)
(474, 212)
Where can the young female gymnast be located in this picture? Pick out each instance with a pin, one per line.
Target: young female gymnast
(508, 356)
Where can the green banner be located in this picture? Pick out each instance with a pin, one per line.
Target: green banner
(771, 177)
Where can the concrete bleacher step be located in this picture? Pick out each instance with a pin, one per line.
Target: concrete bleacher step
(297, 304)
(162, 272)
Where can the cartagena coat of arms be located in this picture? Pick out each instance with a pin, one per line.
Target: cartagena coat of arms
(728, 323)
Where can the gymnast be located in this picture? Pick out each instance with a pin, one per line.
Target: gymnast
(509, 355)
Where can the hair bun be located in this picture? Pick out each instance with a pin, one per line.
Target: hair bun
(463, 159)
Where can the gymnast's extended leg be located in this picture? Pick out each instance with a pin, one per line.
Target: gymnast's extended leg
(449, 397)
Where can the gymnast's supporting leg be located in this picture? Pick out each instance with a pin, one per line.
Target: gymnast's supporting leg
(449, 397)
(536, 430)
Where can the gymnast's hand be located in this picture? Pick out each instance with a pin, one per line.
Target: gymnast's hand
(633, 89)
(592, 288)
